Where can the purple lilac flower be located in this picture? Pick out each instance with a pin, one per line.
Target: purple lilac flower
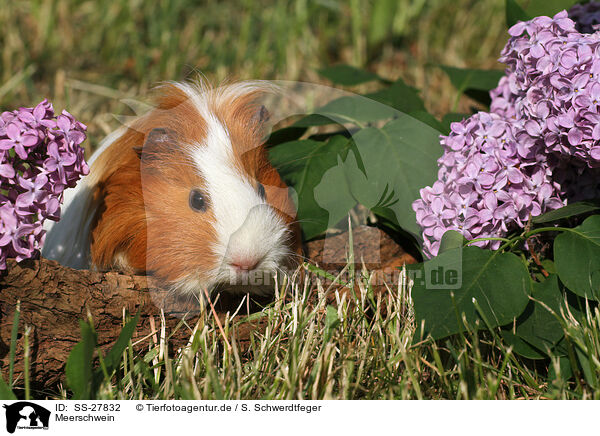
(40, 156)
(586, 17)
(559, 91)
(538, 149)
(485, 188)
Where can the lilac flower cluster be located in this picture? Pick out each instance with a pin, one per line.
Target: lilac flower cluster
(538, 148)
(40, 156)
(586, 17)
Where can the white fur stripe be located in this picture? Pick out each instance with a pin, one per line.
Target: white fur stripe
(246, 226)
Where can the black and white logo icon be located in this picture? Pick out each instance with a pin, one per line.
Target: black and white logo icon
(26, 415)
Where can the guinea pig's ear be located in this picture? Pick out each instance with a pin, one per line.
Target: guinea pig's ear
(159, 140)
(261, 115)
(260, 122)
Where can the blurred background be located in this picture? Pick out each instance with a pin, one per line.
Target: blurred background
(86, 55)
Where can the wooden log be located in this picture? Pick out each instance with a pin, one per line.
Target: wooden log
(53, 299)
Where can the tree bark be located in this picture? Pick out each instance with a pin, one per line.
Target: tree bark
(53, 299)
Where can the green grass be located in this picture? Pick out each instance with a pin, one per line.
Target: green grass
(358, 347)
(87, 55)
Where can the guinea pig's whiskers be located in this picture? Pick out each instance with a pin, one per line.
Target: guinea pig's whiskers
(304, 220)
(300, 256)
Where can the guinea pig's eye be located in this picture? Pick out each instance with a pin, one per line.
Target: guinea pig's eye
(198, 200)
(261, 191)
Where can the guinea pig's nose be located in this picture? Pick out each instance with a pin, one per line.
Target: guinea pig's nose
(244, 263)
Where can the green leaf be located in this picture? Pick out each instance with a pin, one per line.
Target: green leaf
(302, 165)
(79, 364)
(584, 362)
(464, 79)
(566, 372)
(312, 120)
(515, 10)
(515, 13)
(286, 134)
(384, 104)
(451, 240)
(386, 170)
(521, 347)
(549, 266)
(549, 8)
(406, 99)
(400, 96)
(426, 118)
(577, 258)
(113, 358)
(347, 75)
(6, 392)
(355, 110)
(393, 164)
(537, 328)
(567, 211)
(499, 282)
(574, 305)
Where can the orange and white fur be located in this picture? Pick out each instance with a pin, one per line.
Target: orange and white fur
(184, 192)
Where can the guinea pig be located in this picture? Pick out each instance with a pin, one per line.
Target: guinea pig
(185, 192)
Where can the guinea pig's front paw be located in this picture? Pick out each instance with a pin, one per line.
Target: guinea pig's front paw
(121, 263)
